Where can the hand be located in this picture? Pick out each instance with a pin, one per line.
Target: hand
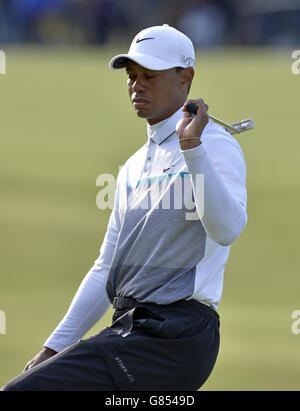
(43, 355)
(190, 126)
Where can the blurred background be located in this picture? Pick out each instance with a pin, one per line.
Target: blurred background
(207, 22)
(65, 119)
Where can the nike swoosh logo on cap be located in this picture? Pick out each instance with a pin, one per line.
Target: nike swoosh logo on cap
(146, 38)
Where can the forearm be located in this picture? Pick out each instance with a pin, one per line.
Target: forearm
(88, 306)
(224, 216)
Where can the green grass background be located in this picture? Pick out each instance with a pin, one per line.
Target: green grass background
(65, 118)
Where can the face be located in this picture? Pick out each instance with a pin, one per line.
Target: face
(156, 95)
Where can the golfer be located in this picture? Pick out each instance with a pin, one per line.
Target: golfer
(180, 203)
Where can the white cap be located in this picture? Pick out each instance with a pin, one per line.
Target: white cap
(158, 48)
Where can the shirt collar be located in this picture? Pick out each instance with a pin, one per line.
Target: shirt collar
(160, 131)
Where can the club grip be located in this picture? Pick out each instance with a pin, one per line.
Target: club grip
(192, 108)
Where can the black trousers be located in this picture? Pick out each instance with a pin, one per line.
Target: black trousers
(147, 348)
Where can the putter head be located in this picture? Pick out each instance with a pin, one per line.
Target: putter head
(243, 125)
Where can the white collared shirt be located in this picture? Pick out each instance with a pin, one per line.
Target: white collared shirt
(169, 234)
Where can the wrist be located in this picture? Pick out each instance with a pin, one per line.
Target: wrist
(189, 142)
(48, 350)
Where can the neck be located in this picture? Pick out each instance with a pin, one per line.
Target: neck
(152, 121)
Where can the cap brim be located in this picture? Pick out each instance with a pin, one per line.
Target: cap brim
(149, 62)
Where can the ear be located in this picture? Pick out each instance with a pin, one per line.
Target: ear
(186, 78)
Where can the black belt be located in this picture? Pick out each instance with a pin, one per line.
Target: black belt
(123, 303)
(120, 303)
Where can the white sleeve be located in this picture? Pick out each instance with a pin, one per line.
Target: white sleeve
(90, 301)
(225, 196)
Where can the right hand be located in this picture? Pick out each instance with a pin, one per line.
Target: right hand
(43, 355)
(192, 126)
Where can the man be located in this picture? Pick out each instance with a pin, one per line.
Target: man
(162, 260)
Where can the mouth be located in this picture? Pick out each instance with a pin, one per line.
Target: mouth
(140, 102)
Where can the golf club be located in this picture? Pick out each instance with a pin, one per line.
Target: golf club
(234, 128)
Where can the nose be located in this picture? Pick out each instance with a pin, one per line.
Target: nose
(138, 84)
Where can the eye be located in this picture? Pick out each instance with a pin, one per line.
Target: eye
(150, 76)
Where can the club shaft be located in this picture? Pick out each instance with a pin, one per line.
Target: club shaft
(222, 123)
(192, 108)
